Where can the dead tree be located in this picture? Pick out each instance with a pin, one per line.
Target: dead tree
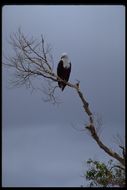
(33, 59)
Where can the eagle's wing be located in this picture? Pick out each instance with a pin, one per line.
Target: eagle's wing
(60, 69)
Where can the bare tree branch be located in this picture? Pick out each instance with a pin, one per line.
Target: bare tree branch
(115, 155)
(117, 166)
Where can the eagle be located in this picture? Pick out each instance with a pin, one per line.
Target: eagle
(63, 70)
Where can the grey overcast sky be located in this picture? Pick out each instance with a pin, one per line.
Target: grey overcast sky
(40, 146)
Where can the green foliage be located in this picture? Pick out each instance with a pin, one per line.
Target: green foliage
(102, 175)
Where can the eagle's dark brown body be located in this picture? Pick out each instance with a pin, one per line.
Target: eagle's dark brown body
(63, 73)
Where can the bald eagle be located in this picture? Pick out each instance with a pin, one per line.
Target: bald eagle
(63, 70)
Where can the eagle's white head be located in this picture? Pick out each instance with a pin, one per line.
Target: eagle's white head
(65, 59)
(64, 56)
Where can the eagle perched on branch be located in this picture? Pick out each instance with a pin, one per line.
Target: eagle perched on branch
(63, 70)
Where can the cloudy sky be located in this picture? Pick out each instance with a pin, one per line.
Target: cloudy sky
(40, 145)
